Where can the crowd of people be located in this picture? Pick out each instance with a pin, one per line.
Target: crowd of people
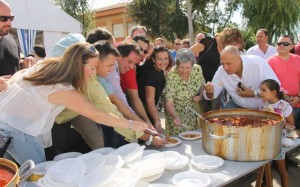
(88, 93)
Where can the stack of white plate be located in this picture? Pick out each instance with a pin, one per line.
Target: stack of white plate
(129, 152)
(110, 176)
(92, 160)
(66, 155)
(151, 169)
(65, 173)
(191, 179)
(174, 160)
(113, 160)
(207, 162)
(103, 151)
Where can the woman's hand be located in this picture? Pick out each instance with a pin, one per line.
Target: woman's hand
(158, 126)
(3, 83)
(176, 121)
(294, 101)
(196, 98)
(158, 141)
(138, 126)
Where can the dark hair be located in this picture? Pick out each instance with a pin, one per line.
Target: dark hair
(263, 30)
(292, 40)
(134, 28)
(105, 48)
(126, 47)
(142, 38)
(157, 50)
(39, 51)
(185, 41)
(273, 85)
(98, 34)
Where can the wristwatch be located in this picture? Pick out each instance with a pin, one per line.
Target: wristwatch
(150, 140)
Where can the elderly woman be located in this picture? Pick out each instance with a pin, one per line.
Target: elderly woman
(183, 84)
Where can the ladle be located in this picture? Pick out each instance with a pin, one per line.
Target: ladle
(199, 115)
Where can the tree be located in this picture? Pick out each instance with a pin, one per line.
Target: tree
(277, 16)
(162, 18)
(80, 10)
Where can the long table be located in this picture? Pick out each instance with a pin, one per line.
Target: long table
(229, 172)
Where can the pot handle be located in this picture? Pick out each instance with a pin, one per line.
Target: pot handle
(26, 170)
(230, 135)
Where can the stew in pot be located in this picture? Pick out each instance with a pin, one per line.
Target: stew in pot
(241, 120)
(6, 174)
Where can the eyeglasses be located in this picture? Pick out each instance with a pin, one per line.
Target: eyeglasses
(6, 18)
(144, 51)
(177, 44)
(283, 43)
(91, 50)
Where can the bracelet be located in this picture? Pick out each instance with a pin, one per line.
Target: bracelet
(130, 124)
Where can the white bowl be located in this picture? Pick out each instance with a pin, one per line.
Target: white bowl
(99, 177)
(191, 179)
(171, 158)
(207, 162)
(127, 150)
(66, 155)
(136, 156)
(92, 160)
(152, 177)
(149, 167)
(149, 151)
(114, 160)
(182, 135)
(173, 144)
(182, 162)
(66, 172)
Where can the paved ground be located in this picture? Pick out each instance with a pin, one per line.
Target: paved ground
(249, 180)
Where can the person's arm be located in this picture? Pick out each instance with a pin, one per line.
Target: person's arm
(289, 120)
(123, 108)
(197, 48)
(137, 104)
(169, 104)
(3, 84)
(76, 102)
(152, 109)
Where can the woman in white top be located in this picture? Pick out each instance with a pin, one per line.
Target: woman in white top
(29, 106)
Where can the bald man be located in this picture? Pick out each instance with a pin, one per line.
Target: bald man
(9, 52)
(241, 77)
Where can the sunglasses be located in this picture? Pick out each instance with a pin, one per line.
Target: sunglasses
(144, 51)
(90, 50)
(283, 43)
(6, 18)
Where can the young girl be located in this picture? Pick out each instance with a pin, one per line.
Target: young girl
(273, 101)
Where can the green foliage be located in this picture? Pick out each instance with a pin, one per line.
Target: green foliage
(162, 18)
(277, 16)
(249, 38)
(80, 10)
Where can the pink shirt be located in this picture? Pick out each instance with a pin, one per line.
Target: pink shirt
(288, 72)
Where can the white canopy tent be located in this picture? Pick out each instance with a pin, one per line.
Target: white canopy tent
(41, 15)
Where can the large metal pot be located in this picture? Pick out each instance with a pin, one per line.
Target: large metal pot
(18, 174)
(242, 143)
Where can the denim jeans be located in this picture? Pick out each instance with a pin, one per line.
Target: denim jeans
(296, 114)
(231, 104)
(23, 147)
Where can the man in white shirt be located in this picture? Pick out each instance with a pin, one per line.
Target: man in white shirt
(262, 48)
(241, 77)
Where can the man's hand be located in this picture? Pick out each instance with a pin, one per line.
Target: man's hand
(176, 121)
(294, 101)
(244, 91)
(158, 142)
(3, 83)
(209, 88)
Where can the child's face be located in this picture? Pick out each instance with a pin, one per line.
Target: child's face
(265, 93)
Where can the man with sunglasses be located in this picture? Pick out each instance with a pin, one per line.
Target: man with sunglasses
(287, 68)
(9, 52)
